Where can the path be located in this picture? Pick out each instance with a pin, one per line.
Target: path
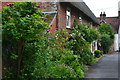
(107, 67)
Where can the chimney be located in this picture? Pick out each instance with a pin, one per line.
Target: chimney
(101, 16)
(104, 16)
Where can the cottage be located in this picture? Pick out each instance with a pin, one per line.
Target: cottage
(61, 15)
(115, 23)
(65, 13)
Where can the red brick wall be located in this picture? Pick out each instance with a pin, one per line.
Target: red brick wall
(44, 6)
(62, 15)
(113, 21)
(60, 21)
(54, 25)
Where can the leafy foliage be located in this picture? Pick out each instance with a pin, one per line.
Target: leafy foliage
(106, 42)
(23, 24)
(97, 53)
(106, 29)
(41, 54)
(106, 38)
(81, 38)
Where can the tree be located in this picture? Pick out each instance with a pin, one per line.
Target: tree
(22, 23)
(106, 29)
(106, 42)
(107, 37)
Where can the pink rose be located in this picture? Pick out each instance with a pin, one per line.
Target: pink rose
(48, 30)
(38, 6)
(9, 4)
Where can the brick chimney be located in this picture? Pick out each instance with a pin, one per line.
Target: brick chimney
(101, 16)
(104, 16)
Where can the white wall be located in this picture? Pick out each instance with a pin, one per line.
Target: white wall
(119, 6)
(94, 46)
(116, 48)
(119, 37)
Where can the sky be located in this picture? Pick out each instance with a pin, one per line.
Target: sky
(109, 6)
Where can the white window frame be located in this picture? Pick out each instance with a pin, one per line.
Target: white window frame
(68, 18)
(80, 19)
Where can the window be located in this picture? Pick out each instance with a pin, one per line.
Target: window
(80, 19)
(68, 18)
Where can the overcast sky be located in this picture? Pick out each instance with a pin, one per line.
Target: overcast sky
(98, 6)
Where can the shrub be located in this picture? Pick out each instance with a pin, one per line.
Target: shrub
(39, 54)
(106, 29)
(105, 42)
(62, 71)
(23, 27)
(87, 57)
(81, 38)
(97, 53)
(106, 38)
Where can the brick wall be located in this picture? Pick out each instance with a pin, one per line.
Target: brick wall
(60, 21)
(113, 21)
(54, 26)
(47, 6)
(62, 15)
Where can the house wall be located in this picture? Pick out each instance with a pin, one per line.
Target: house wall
(113, 21)
(116, 47)
(47, 6)
(119, 38)
(75, 13)
(62, 15)
(53, 25)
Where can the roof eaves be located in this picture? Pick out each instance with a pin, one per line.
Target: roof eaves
(85, 9)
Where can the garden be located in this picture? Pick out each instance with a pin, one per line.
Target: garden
(31, 51)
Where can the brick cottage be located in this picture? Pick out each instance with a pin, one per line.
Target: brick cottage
(61, 15)
(65, 13)
(115, 23)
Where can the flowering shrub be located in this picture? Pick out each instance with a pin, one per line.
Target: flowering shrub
(36, 53)
(80, 41)
(23, 25)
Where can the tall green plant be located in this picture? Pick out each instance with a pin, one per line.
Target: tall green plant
(107, 37)
(106, 29)
(106, 42)
(22, 23)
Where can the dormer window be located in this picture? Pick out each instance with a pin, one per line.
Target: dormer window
(68, 18)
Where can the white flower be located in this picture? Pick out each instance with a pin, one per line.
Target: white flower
(79, 34)
(57, 34)
(73, 34)
(75, 40)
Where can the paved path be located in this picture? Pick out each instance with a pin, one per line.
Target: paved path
(107, 67)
